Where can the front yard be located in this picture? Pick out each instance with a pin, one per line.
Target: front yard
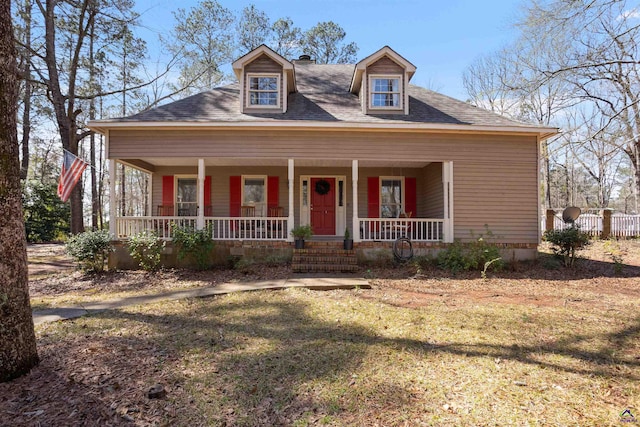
(534, 345)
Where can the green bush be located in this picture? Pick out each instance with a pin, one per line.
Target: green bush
(46, 217)
(145, 248)
(478, 254)
(566, 242)
(194, 244)
(90, 249)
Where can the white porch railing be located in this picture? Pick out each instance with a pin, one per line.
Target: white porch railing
(248, 228)
(390, 229)
(223, 228)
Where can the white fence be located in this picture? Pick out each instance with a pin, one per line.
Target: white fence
(222, 228)
(625, 225)
(389, 229)
(619, 224)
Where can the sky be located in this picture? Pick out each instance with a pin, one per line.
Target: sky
(441, 38)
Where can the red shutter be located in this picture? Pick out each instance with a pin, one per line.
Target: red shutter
(167, 190)
(410, 197)
(373, 196)
(273, 186)
(235, 195)
(207, 192)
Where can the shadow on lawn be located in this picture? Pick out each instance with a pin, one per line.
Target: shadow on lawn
(545, 267)
(261, 363)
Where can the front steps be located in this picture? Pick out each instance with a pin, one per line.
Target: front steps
(324, 257)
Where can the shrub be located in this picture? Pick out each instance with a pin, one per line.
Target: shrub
(566, 242)
(145, 248)
(45, 215)
(478, 254)
(194, 244)
(90, 249)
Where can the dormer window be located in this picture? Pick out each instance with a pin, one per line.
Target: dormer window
(263, 90)
(385, 92)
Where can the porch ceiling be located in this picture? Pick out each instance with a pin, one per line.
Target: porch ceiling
(224, 161)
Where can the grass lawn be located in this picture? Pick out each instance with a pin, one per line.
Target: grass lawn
(527, 347)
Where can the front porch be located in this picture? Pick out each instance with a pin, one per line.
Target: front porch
(245, 200)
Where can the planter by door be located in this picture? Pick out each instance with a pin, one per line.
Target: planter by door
(299, 243)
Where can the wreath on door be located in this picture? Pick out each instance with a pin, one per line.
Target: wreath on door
(322, 187)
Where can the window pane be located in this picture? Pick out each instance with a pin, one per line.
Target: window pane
(391, 198)
(264, 98)
(253, 190)
(305, 193)
(385, 100)
(187, 190)
(263, 83)
(386, 85)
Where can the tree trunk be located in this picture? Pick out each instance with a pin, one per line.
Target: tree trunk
(26, 99)
(18, 349)
(92, 116)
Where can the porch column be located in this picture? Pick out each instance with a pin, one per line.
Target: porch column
(290, 219)
(200, 221)
(447, 188)
(149, 194)
(112, 198)
(355, 227)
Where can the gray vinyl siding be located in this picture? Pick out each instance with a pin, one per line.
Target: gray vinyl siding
(495, 177)
(431, 200)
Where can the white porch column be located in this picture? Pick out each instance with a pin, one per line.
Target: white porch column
(200, 221)
(447, 188)
(112, 198)
(290, 219)
(150, 194)
(355, 227)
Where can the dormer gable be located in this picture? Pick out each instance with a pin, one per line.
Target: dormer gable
(381, 81)
(266, 79)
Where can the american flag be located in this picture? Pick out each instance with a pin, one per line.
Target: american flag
(72, 168)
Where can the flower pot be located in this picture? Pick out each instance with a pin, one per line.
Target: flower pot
(348, 244)
(299, 243)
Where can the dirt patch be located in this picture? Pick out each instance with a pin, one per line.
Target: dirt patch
(48, 259)
(596, 280)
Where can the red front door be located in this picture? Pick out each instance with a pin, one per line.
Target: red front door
(323, 206)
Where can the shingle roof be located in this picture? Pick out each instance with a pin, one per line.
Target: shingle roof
(323, 96)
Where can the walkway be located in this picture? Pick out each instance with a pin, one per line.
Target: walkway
(309, 282)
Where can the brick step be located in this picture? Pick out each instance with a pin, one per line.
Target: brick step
(324, 259)
(312, 244)
(323, 268)
(324, 251)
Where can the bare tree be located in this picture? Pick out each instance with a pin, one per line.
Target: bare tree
(601, 63)
(18, 352)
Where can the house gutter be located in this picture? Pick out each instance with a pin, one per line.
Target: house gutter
(102, 126)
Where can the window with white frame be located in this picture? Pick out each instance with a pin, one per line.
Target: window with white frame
(391, 192)
(385, 92)
(263, 90)
(254, 193)
(187, 196)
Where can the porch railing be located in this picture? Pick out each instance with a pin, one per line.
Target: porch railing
(248, 228)
(390, 229)
(223, 228)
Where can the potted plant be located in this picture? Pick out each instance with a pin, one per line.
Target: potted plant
(348, 241)
(300, 233)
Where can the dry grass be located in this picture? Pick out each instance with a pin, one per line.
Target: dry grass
(518, 349)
